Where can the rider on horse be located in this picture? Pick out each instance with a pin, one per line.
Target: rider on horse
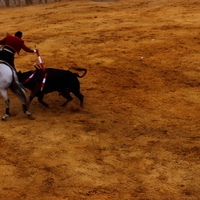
(10, 45)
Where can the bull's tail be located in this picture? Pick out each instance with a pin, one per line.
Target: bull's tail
(79, 69)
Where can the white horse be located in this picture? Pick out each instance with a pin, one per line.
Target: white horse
(9, 79)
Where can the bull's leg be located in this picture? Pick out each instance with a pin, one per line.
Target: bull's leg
(79, 96)
(32, 95)
(40, 99)
(66, 95)
(37, 92)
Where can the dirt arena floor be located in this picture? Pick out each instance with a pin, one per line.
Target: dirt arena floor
(138, 135)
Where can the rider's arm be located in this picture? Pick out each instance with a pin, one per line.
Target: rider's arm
(27, 49)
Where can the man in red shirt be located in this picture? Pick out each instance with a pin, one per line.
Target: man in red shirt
(11, 45)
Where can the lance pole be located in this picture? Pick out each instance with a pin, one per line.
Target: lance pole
(39, 59)
(42, 67)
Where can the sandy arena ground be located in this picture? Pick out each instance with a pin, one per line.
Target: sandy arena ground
(138, 136)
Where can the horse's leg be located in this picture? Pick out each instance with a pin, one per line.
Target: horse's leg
(19, 91)
(7, 101)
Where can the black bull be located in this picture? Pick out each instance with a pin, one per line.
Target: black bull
(63, 81)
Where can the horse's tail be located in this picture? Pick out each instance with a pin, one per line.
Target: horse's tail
(18, 89)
